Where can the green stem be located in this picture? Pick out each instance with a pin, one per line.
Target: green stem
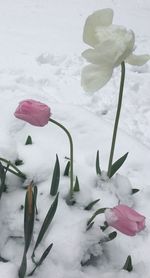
(17, 173)
(117, 118)
(71, 156)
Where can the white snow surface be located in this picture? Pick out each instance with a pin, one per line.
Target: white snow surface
(40, 58)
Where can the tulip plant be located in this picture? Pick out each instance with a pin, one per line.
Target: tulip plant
(111, 46)
(39, 114)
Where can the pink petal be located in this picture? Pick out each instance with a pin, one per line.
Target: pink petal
(130, 213)
(128, 228)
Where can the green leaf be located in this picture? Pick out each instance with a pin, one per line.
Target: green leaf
(90, 205)
(29, 140)
(90, 226)
(98, 169)
(76, 186)
(17, 172)
(99, 211)
(128, 264)
(18, 162)
(104, 227)
(55, 178)
(43, 257)
(117, 164)
(3, 260)
(109, 237)
(29, 213)
(135, 190)
(23, 267)
(35, 198)
(112, 235)
(67, 168)
(3, 172)
(47, 221)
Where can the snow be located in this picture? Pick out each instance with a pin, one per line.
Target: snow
(40, 58)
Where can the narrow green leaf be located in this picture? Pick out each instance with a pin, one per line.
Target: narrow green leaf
(76, 186)
(23, 267)
(90, 205)
(98, 169)
(55, 178)
(43, 257)
(3, 260)
(29, 213)
(18, 162)
(29, 140)
(17, 172)
(112, 235)
(67, 168)
(104, 227)
(109, 237)
(90, 226)
(117, 164)
(128, 264)
(35, 198)
(135, 190)
(3, 172)
(48, 219)
(45, 254)
(99, 211)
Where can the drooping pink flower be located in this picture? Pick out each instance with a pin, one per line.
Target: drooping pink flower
(34, 112)
(125, 219)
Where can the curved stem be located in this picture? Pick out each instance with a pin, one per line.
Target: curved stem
(19, 173)
(117, 118)
(71, 156)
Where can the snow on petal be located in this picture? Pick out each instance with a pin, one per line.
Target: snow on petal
(104, 53)
(103, 18)
(94, 77)
(137, 60)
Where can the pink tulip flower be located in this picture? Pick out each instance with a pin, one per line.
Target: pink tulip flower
(125, 219)
(34, 112)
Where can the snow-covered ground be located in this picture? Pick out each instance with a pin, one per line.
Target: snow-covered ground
(40, 58)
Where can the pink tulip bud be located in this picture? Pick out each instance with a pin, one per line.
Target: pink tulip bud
(33, 112)
(125, 219)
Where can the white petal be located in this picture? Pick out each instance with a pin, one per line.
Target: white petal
(95, 57)
(112, 52)
(94, 77)
(104, 53)
(137, 60)
(115, 42)
(126, 46)
(97, 19)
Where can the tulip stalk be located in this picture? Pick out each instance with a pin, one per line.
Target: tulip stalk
(116, 119)
(70, 199)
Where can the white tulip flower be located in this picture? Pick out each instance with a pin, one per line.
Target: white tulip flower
(111, 45)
